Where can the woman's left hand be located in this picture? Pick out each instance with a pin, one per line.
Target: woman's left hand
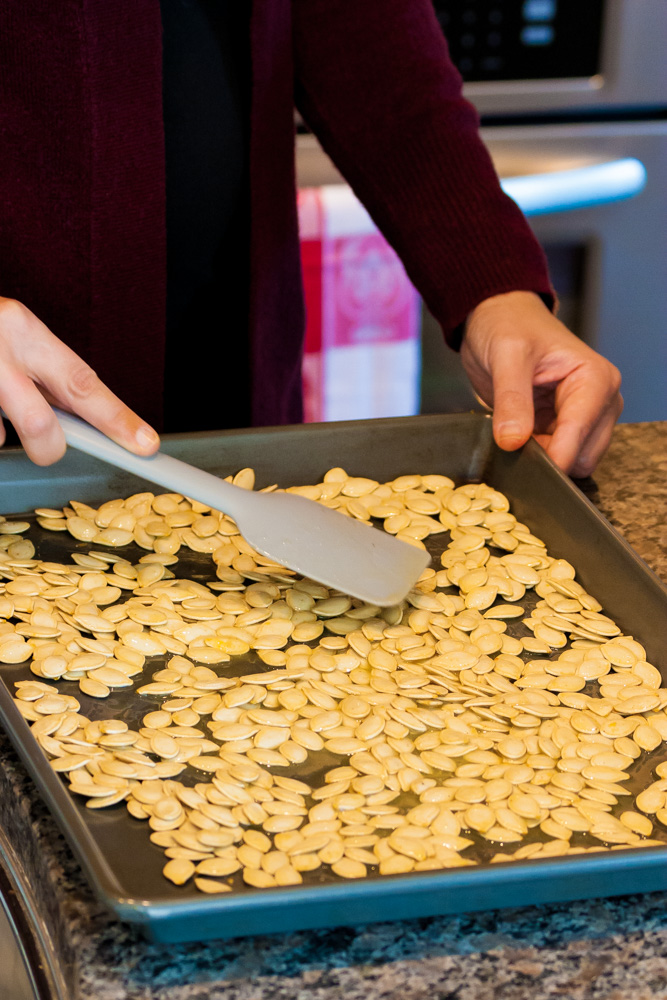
(540, 379)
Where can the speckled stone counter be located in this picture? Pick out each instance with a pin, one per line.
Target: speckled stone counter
(612, 949)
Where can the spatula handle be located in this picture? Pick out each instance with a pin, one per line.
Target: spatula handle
(159, 468)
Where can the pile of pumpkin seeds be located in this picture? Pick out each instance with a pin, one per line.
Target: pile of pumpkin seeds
(446, 740)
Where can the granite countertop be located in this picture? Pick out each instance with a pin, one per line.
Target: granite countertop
(614, 949)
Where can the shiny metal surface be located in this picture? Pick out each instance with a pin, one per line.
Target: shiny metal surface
(31, 966)
(15, 981)
(27, 970)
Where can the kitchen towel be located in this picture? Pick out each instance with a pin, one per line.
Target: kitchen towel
(362, 351)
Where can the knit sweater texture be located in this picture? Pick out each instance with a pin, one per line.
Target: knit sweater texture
(82, 178)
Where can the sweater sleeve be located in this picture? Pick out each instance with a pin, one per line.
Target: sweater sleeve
(375, 83)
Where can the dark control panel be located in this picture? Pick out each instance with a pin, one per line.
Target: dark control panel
(523, 39)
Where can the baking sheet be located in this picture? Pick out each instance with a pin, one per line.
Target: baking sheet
(114, 850)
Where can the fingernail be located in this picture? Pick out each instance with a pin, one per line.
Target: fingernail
(146, 437)
(510, 433)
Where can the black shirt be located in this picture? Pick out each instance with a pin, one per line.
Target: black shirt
(206, 98)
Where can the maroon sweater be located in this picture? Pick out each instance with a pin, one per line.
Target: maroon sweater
(82, 194)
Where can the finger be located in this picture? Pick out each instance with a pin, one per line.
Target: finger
(32, 417)
(582, 402)
(513, 412)
(598, 441)
(71, 383)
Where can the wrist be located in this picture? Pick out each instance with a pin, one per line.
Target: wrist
(507, 302)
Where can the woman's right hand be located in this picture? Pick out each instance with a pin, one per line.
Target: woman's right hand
(36, 368)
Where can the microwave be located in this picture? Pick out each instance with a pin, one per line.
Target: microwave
(522, 57)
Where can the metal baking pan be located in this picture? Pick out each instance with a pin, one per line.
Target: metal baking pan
(122, 865)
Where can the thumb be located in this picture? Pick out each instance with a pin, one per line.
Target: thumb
(512, 373)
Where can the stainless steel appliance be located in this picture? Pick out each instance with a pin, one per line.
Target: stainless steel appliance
(561, 84)
(532, 56)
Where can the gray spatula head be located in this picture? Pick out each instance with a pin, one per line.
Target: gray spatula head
(330, 547)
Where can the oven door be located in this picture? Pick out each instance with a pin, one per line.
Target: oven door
(607, 261)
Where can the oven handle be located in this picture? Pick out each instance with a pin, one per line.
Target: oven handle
(583, 187)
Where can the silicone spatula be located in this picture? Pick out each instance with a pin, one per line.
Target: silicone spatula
(303, 535)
